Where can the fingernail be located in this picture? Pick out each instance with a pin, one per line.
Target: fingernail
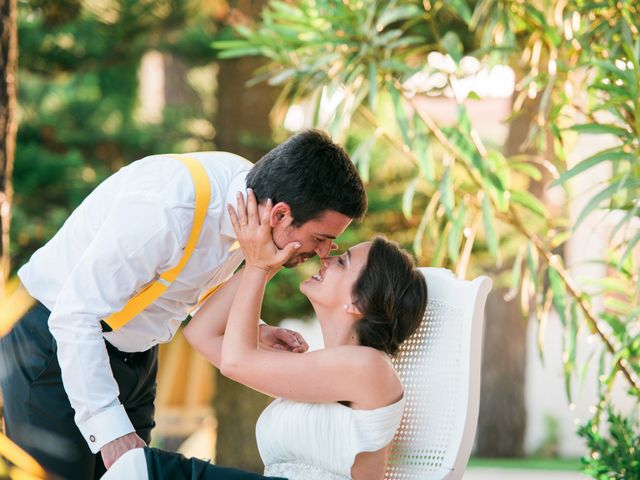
(297, 245)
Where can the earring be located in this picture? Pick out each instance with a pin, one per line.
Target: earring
(346, 306)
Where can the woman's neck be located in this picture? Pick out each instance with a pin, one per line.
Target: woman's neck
(337, 328)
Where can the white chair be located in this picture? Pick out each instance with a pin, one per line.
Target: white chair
(440, 369)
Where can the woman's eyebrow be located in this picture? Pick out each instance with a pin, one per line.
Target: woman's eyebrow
(349, 256)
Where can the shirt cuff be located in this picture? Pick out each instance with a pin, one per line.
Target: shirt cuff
(105, 427)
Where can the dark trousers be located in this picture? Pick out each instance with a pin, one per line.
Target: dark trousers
(37, 412)
(163, 465)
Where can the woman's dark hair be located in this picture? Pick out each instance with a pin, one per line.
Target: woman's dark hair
(311, 174)
(392, 296)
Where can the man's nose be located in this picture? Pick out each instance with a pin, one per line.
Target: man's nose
(323, 249)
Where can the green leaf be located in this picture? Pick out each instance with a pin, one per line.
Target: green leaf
(605, 194)
(516, 273)
(466, 149)
(373, 85)
(407, 199)
(613, 154)
(362, 157)
(401, 115)
(559, 293)
(489, 229)
(461, 9)
(446, 193)
(455, 237)
(532, 263)
(528, 201)
(598, 128)
(395, 14)
(528, 169)
(569, 354)
(440, 250)
(423, 152)
(452, 45)
(617, 305)
(630, 246)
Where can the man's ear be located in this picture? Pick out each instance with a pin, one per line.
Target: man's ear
(281, 215)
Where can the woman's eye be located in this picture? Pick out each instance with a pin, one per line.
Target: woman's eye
(340, 261)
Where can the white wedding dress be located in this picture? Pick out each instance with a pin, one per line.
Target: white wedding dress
(320, 441)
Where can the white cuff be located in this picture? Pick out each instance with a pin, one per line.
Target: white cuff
(132, 465)
(106, 426)
(262, 322)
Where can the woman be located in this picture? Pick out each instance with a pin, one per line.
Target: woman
(338, 408)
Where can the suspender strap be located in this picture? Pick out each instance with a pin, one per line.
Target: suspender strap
(156, 288)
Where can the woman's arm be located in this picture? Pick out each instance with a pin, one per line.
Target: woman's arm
(206, 329)
(348, 373)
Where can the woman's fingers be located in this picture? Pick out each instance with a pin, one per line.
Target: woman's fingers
(242, 209)
(252, 209)
(287, 252)
(266, 214)
(234, 219)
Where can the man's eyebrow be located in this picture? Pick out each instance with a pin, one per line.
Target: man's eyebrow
(326, 236)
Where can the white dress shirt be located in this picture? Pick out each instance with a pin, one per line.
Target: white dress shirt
(130, 229)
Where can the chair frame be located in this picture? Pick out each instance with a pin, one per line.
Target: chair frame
(470, 298)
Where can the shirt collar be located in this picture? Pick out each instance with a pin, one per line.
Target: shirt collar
(238, 184)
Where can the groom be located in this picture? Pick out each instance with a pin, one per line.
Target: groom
(77, 383)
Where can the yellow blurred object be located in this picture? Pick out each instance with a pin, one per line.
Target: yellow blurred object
(185, 390)
(15, 303)
(23, 465)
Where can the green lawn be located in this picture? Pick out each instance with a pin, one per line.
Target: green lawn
(567, 464)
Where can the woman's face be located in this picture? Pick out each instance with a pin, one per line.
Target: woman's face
(333, 284)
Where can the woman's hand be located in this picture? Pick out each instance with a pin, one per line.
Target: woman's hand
(254, 234)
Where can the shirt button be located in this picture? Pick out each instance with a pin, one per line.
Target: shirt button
(92, 438)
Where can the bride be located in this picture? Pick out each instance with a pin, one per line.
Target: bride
(336, 409)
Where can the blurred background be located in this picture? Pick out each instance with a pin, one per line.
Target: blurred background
(494, 136)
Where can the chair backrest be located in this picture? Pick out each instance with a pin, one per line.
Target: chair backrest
(440, 369)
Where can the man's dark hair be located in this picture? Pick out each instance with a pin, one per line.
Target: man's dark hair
(311, 174)
(392, 296)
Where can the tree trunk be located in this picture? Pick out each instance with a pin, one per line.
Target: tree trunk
(242, 127)
(8, 125)
(242, 120)
(503, 414)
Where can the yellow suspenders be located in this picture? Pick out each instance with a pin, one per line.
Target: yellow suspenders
(156, 288)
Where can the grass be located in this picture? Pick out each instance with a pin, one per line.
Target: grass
(564, 464)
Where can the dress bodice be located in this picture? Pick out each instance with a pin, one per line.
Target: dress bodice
(320, 441)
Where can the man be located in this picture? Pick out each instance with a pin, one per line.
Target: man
(73, 387)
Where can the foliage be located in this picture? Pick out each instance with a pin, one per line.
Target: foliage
(613, 455)
(78, 98)
(363, 70)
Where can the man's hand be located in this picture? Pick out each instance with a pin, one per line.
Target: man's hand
(282, 339)
(116, 448)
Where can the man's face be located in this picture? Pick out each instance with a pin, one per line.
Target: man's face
(315, 236)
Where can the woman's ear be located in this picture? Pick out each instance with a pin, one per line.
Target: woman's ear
(281, 215)
(352, 309)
